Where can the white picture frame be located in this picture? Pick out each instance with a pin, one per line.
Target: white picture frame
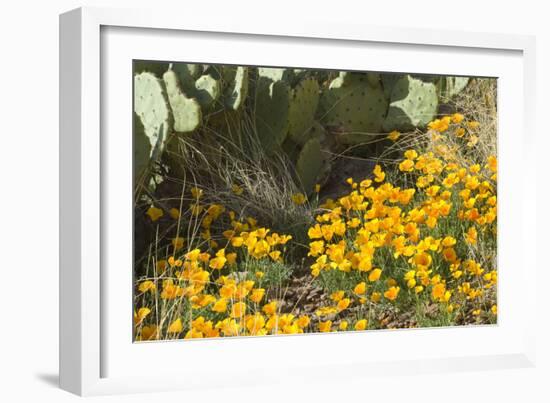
(96, 356)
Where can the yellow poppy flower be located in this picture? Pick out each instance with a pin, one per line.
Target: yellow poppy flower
(237, 189)
(231, 258)
(257, 294)
(471, 236)
(337, 295)
(361, 324)
(147, 285)
(299, 198)
(374, 275)
(391, 293)
(411, 154)
(154, 213)
(325, 326)
(376, 296)
(220, 305)
(406, 166)
(379, 175)
(175, 327)
(457, 117)
(149, 333)
(178, 242)
(394, 135)
(254, 323)
(196, 192)
(270, 308)
(218, 262)
(303, 321)
(343, 304)
(360, 288)
(140, 315)
(238, 310)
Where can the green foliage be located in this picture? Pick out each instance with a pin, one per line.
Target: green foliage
(413, 103)
(274, 273)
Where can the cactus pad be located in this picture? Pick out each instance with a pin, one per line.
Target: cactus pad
(388, 81)
(237, 89)
(186, 111)
(354, 103)
(157, 68)
(142, 148)
(271, 112)
(198, 81)
(309, 164)
(274, 74)
(413, 104)
(151, 105)
(187, 71)
(303, 105)
(207, 91)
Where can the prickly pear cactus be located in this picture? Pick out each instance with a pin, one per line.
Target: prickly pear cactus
(237, 89)
(186, 111)
(373, 79)
(187, 72)
(388, 81)
(142, 149)
(303, 105)
(354, 103)
(199, 81)
(316, 131)
(271, 112)
(151, 105)
(413, 104)
(208, 90)
(309, 164)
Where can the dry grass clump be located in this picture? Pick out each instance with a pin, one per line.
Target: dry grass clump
(478, 102)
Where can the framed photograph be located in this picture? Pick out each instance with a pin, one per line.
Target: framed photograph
(298, 201)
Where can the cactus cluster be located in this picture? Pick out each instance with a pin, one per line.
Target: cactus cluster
(173, 98)
(290, 108)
